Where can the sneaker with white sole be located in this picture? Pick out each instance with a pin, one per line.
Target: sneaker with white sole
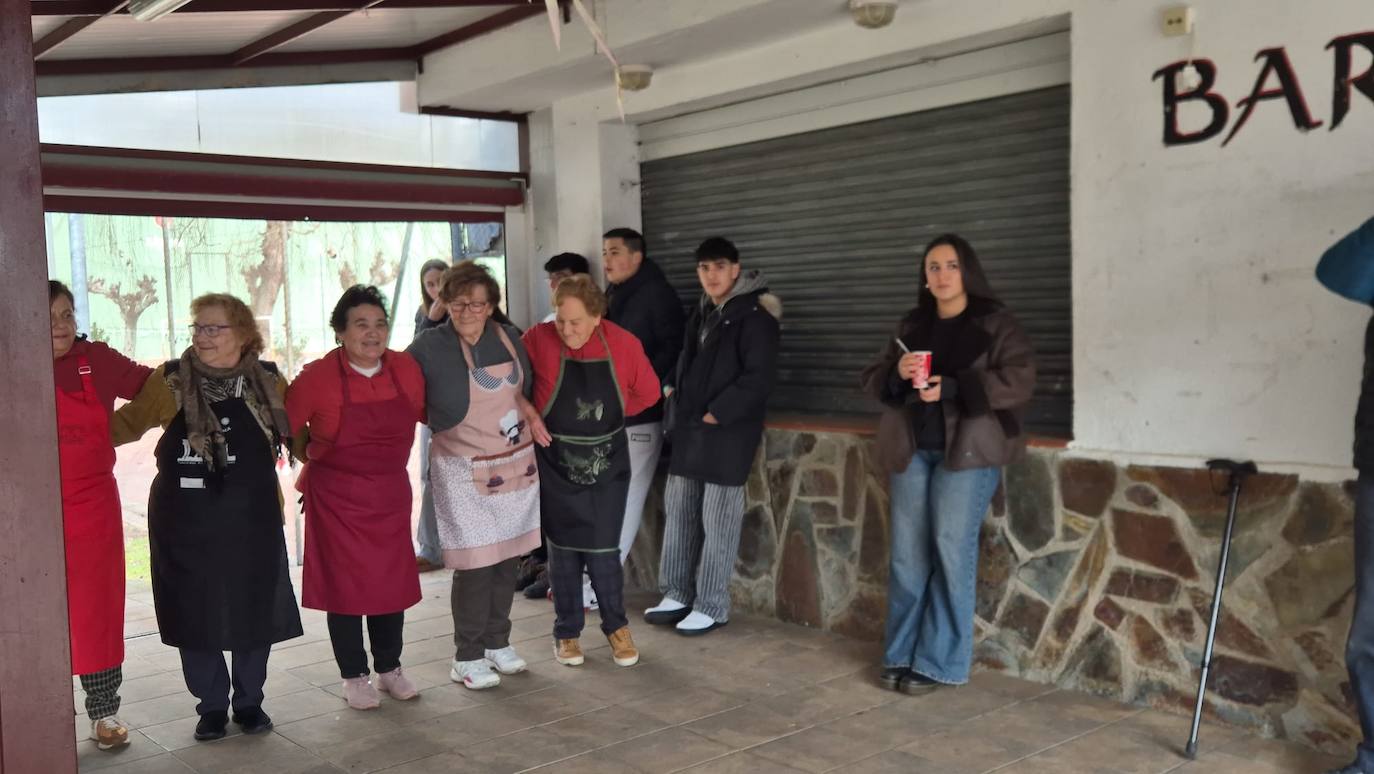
(360, 693)
(623, 650)
(109, 733)
(697, 623)
(397, 684)
(506, 661)
(666, 613)
(568, 652)
(589, 596)
(476, 675)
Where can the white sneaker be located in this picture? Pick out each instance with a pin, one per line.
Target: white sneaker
(698, 623)
(476, 675)
(506, 661)
(109, 733)
(666, 613)
(589, 596)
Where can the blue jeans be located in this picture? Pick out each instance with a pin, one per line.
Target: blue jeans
(1359, 649)
(936, 516)
(427, 531)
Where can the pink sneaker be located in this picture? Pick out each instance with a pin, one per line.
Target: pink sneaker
(360, 694)
(397, 684)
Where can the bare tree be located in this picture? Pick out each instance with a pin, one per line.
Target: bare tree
(265, 278)
(380, 273)
(132, 304)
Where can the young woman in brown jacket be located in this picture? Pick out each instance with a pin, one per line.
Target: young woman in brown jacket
(944, 445)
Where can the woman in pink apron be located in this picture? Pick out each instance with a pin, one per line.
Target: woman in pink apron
(361, 403)
(88, 377)
(482, 471)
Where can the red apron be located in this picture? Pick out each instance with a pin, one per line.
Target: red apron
(93, 526)
(358, 556)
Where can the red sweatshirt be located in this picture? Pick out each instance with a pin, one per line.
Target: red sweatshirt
(114, 375)
(316, 397)
(639, 386)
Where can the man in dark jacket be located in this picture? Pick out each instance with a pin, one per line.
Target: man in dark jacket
(642, 302)
(717, 398)
(1348, 269)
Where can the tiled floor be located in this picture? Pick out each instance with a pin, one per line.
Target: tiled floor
(755, 697)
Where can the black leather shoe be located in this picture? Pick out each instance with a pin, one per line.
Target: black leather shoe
(253, 720)
(211, 726)
(891, 678)
(916, 684)
(538, 589)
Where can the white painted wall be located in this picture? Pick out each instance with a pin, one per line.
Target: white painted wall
(584, 180)
(1199, 330)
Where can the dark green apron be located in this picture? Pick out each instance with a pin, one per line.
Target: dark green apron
(584, 475)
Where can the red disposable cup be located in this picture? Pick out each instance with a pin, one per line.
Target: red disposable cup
(920, 379)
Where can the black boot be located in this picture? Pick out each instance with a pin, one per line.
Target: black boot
(253, 720)
(891, 677)
(916, 684)
(212, 725)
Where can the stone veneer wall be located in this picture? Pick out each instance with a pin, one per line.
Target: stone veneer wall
(1092, 577)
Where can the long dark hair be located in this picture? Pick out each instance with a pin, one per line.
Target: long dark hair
(970, 269)
(429, 266)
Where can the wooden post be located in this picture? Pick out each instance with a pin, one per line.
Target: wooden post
(35, 662)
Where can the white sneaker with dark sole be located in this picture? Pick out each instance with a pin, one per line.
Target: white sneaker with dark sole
(697, 624)
(666, 613)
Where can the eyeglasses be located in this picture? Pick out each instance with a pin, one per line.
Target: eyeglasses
(477, 307)
(213, 331)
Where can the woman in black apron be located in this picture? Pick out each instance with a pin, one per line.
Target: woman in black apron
(589, 375)
(220, 580)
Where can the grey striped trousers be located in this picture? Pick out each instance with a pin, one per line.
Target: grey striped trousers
(700, 544)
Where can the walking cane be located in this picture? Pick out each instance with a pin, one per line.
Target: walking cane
(1238, 471)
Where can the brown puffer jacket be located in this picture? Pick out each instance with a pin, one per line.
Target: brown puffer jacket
(995, 367)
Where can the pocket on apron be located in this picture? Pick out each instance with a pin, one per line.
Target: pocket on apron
(583, 462)
(502, 473)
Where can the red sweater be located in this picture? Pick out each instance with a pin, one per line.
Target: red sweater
(316, 396)
(115, 376)
(639, 386)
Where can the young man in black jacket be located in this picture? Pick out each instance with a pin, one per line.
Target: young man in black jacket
(642, 302)
(718, 394)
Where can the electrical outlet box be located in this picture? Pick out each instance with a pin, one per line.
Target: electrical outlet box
(1178, 20)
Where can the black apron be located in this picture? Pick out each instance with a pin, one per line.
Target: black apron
(584, 475)
(220, 578)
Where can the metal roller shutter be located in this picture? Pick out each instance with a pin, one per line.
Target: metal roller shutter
(836, 220)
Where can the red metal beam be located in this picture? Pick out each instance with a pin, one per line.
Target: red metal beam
(35, 659)
(448, 112)
(114, 66)
(72, 26)
(481, 27)
(98, 152)
(95, 7)
(180, 208)
(293, 32)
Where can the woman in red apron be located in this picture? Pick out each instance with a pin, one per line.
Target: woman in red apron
(589, 375)
(88, 378)
(361, 403)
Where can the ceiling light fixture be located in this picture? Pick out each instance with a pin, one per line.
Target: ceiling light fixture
(872, 14)
(634, 77)
(152, 10)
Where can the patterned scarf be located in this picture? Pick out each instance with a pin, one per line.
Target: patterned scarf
(198, 392)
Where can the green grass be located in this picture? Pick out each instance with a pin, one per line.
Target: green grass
(137, 565)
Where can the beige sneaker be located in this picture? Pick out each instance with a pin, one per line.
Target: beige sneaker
(623, 648)
(568, 652)
(109, 733)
